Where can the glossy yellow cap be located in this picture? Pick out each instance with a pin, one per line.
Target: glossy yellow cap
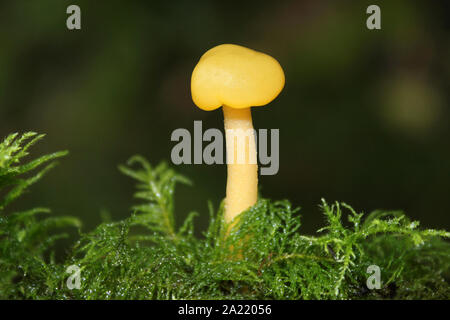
(235, 76)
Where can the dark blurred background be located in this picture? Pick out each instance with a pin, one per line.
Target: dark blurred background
(363, 118)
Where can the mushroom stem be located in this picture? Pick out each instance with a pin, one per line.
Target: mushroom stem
(242, 180)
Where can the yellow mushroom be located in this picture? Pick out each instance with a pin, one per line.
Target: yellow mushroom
(237, 78)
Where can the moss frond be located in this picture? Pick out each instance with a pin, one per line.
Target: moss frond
(25, 237)
(264, 255)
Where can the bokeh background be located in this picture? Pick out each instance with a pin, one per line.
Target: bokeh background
(363, 118)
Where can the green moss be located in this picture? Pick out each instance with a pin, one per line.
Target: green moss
(264, 256)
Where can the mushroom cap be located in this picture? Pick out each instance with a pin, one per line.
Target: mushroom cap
(235, 76)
